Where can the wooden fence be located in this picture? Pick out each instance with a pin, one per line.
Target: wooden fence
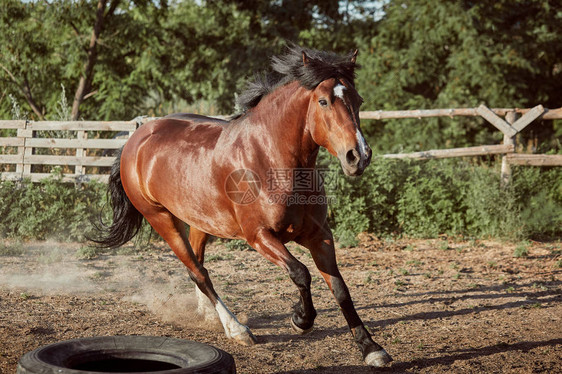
(84, 149)
(515, 121)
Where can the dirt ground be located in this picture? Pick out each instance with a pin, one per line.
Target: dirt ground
(437, 306)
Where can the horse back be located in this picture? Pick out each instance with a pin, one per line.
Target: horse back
(197, 118)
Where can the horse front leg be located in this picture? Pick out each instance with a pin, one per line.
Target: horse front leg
(323, 252)
(275, 251)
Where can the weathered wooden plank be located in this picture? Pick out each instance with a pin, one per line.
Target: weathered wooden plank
(83, 125)
(505, 174)
(24, 150)
(528, 117)
(70, 178)
(68, 160)
(12, 124)
(378, 114)
(80, 152)
(553, 114)
(498, 123)
(10, 175)
(75, 143)
(424, 113)
(22, 134)
(534, 160)
(455, 152)
(11, 142)
(10, 159)
(57, 160)
(464, 112)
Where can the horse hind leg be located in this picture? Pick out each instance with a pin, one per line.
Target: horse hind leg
(173, 232)
(198, 240)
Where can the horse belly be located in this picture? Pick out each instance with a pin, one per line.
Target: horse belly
(196, 199)
(207, 215)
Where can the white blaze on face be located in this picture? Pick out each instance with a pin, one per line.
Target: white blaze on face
(338, 91)
(362, 144)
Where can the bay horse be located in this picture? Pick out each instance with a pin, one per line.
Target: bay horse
(211, 175)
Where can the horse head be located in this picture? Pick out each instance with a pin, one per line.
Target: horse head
(333, 121)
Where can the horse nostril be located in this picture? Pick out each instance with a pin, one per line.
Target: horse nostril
(352, 157)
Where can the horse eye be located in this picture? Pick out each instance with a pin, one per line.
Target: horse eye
(323, 102)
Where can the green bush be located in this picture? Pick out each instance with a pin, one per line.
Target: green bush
(392, 198)
(538, 192)
(50, 209)
(236, 245)
(366, 203)
(432, 201)
(453, 197)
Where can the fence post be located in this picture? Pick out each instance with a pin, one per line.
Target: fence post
(510, 118)
(80, 170)
(24, 168)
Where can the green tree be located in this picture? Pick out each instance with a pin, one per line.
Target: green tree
(122, 58)
(29, 59)
(460, 54)
(44, 45)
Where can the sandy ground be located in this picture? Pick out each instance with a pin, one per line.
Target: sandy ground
(437, 306)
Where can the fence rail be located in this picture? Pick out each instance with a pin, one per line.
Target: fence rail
(76, 142)
(516, 120)
(83, 138)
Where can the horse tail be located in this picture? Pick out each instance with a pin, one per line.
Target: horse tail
(127, 220)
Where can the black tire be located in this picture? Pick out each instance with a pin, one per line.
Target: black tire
(127, 354)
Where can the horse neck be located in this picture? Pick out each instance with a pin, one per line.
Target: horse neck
(282, 117)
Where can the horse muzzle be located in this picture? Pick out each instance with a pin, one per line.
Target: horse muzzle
(355, 160)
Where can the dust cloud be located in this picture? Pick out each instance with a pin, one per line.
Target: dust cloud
(44, 268)
(157, 280)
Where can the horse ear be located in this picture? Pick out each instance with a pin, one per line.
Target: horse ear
(354, 56)
(305, 58)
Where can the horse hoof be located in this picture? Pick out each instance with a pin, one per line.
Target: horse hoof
(378, 358)
(298, 330)
(247, 339)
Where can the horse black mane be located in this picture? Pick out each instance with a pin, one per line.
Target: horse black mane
(290, 67)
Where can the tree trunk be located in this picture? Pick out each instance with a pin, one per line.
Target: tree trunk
(85, 83)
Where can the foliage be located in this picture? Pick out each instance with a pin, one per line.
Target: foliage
(149, 56)
(12, 249)
(87, 253)
(432, 200)
(392, 198)
(541, 191)
(451, 197)
(236, 245)
(459, 54)
(50, 209)
(521, 250)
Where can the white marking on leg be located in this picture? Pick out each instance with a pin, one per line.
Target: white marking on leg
(205, 307)
(232, 327)
(338, 91)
